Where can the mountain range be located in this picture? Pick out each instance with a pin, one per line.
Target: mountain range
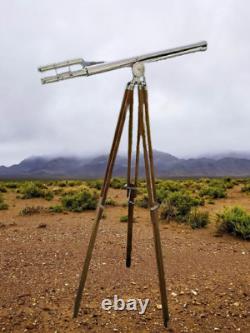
(166, 166)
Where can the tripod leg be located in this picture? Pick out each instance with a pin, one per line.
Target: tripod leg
(130, 193)
(106, 183)
(148, 159)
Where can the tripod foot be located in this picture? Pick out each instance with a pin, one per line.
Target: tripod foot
(128, 262)
(165, 322)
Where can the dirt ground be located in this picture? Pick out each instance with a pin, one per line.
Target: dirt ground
(208, 277)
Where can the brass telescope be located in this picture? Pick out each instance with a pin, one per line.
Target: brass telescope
(91, 68)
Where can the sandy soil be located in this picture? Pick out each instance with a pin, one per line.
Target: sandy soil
(208, 277)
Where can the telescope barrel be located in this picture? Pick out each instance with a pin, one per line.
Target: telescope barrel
(62, 64)
(109, 66)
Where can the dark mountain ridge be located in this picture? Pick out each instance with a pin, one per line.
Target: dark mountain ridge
(166, 166)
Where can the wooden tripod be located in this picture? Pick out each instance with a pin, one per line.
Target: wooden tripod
(143, 132)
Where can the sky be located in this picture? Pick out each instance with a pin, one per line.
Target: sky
(199, 103)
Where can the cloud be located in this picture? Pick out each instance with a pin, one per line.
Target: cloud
(198, 103)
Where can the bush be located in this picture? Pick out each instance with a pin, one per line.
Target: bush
(234, 221)
(124, 218)
(213, 192)
(80, 201)
(97, 184)
(3, 205)
(110, 202)
(167, 211)
(32, 210)
(11, 185)
(31, 190)
(117, 183)
(74, 183)
(56, 209)
(167, 187)
(142, 201)
(2, 189)
(62, 184)
(246, 188)
(178, 206)
(198, 219)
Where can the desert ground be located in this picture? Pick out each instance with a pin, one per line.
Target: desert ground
(41, 257)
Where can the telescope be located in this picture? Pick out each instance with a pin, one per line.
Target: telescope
(91, 68)
(143, 138)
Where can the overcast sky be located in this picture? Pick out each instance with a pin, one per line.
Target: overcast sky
(199, 103)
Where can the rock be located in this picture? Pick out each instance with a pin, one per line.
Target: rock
(42, 225)
(194, 292)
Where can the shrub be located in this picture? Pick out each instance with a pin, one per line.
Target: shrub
(80, 201)
(32, 210)
(124, 218)
(2, 189)
(74, 183)
(246, 188)
(31, 190)
(57, 191)
(198, 219)
(166, 187)
(48, 195)
(178, 206)
(142, 201)
(62, 184)
(110, 202)
(97, 184)
(11, 185)
(117, 183)
(56, 209)
(234, 221)
(3, 205)
(167, 211)
(213, 192)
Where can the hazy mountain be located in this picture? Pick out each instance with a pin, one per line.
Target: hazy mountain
(166, 165)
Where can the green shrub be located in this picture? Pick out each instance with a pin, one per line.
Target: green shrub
(57, 191)
(124, 218)
(117, 183)
(80, 201)
(62, 184)
(167, 187)
(31, 190)
(11, 185)
(198, 219)
(142, 201)
(213, 192)
(74, 183)
(246, 188)
(97, 184)
(178, 206)
(48, 195)
(110, 202)
(3, 205)
(3, 189)
(167, 211)
(56, 209)
(234, 221)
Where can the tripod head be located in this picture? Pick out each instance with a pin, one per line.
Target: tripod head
(91, 68)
